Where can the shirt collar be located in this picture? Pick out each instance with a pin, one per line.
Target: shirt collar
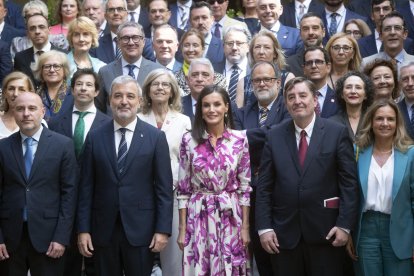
(45, 49)
(323, 90)
(269, 106)
(207, 39)
(91, 109)
(221, 21)
(169, 66)
(341, 11)
(186, 5)
(137, 63)
(35, 136)
(242, 65)
(226, 135)
(376, 33)
(137, 10)
(399, 57)
(306, 3)
(308, 128)
(131, 126)
(275, 28)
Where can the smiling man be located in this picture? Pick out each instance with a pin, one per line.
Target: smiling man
(406, 105)
(307, 163)
(316, 68)
(131, 42)
(165, 44)
(126, 177)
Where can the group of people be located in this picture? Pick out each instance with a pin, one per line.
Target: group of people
(174, 139)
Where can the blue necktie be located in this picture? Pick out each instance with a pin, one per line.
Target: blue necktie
(118, 52)
(122, 151)
(28, 155)
(263, 112)
(131, 68)
(234, 78)
(334, 24)
(217, 30)
(412, 116)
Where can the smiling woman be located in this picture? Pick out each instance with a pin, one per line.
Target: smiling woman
(66, 11)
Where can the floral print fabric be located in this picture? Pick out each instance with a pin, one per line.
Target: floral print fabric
(213, 184)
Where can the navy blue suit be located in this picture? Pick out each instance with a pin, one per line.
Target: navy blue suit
(140, 200)
(363, 8)
(403, 109)
(105, 51)
(405, 10)
(187, 105)
(368, 47)
(288, 17)
(348, 15)
(9, 32)
(215, 52)
(14, 16)
(329, 107)
(143, 19)
(6, 64)
(174, 17)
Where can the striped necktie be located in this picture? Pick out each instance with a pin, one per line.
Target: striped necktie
(122, 151)
(412, 116)
(118, 52)
(131, 68)
(234, 78)
(263, 112)
(183, 18)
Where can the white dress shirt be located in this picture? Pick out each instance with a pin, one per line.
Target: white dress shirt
(378, 41)
(228, 70)
(128, 134)
(321, 99)
(35, 143)
(88, 119)
(305, 4)
(340, 18)
(125, 69)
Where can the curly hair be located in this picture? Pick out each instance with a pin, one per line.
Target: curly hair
(386, 63)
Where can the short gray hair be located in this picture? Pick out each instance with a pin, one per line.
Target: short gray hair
(107, 1)
(237, 28)
(403, 66)
(129, 24)
(203, 61)
(123, 80)
(35, 4)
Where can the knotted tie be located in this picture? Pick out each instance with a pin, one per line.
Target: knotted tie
(303, 147)
(79, 132)
(183, 18)
(301, 13)
(217, 30)
(131, 68)
(334, 24)
(412, 116)
(28, 161)
(118, 52)
(318, 106)
(122, 151)
(234, 78)
(132, 17)
(263, 112)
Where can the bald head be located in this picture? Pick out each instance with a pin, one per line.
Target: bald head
(28, 112)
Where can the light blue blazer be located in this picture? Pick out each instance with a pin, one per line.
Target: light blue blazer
(96, 65)
(402, 213)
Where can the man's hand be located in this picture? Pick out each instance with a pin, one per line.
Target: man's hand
(55, 250)
(85, 244)
(159, 242)
(341, 237)
(269, 242)
(3, 252)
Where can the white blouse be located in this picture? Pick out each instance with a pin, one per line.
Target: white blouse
(379, 194)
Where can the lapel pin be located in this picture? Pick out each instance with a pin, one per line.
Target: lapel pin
(332, 100)
(285, 36)
(142, 135)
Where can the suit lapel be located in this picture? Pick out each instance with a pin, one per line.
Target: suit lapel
(66, 124)
(99, 119)
(364, 162)
(108, 142)
(328, 103)
(42, 148)
(252, 116)
(291, 143)
(18, 153)
(168, 121)
(400, 166)
(314, 143)
(136, 144)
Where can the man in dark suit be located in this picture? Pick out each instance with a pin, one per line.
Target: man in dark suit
(312, 32)
(95, 11)
(180, 14)
(406, 105)
(201, 18)
(136, 10)
(200, 74)
(115, 15)
(334, 17)
(316, 68)
(6, 63)
(38, 32)
(76, 123)
(372, 44)
(125, 197)
(293, 12)
(406, 10)
(307, 194)
(257, 118)
(269, 12)
(165, 44)
(38, 189)
(14, 15)
(8, 32)
(131, 42)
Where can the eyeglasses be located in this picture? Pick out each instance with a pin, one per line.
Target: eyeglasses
(397, 28)
(55, 67)
(231, 43)
(154, 11)
(317, 62)
(354, 33)
(135, 38)
(117, 9)
(266, 81)
(211, 2)
(344, 48)
(164, 85)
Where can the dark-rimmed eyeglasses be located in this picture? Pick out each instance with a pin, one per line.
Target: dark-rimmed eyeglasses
(316, 62)
(344, 48)
(135, 38)
(266, 81)
(231, 43)
(116, 9)
(55, 67)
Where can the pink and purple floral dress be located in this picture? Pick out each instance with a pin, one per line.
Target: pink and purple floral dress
(213, 184)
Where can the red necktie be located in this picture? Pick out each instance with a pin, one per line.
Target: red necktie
(303, 147)
(318, 106)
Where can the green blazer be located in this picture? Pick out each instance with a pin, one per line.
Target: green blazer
(402, 213)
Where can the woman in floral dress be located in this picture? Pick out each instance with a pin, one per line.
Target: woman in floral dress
(213, 191)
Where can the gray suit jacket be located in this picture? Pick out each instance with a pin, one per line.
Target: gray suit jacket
(383, 55)
(114, 69)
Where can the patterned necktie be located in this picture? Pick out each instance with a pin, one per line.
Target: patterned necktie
(118, 52)
(303, 147)
(234, 78)
(183, 18)
(28, 155)
(412, 116)
(301, 13)
(217, 30)
(318, 106)
(263, 112)
(39, 53)
(131, 68)
(132, 17)
(334, 24)
(122, 151)
(79, 132)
